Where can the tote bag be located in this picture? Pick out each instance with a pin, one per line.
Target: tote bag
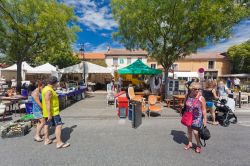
(187, 117)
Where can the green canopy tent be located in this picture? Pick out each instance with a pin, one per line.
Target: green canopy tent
(138, 67)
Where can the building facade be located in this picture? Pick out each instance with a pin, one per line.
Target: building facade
(119, 58)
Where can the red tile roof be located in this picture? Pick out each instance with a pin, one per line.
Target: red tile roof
(92, 55)
(209, 55)
(126, 52)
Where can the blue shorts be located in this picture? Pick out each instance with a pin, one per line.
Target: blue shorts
(209, 104)
(55, 121)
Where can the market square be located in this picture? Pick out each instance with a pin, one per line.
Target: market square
(123, 82)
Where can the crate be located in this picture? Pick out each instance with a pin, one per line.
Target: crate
(16, 129)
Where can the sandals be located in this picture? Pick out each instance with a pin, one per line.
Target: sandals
(48, 142)
(38, 139)
(215, 123)
(187, 147)
(63, 145)
(198, 149)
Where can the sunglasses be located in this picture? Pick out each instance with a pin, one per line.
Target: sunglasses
(196, 89)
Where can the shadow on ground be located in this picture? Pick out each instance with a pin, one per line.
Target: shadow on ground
(66, 132)
(179, 137)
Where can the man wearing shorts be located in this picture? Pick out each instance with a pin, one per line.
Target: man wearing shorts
(50, 105)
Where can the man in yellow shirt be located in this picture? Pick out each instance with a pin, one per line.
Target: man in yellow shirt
(50, 105)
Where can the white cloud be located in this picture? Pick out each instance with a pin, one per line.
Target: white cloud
(241, 33)
(103, 47)
(92, 16)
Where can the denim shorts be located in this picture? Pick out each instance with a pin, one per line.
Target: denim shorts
(209, 104)
(55, 121)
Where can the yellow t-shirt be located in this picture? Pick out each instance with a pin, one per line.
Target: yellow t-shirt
(54, 102)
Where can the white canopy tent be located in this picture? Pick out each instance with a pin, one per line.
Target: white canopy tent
(46, 68)
(89, 69)
(10, 71)
(93, 73)
(25, 66)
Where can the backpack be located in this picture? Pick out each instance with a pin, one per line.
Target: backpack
(204, 134)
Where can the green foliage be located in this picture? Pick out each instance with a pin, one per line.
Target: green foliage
(171, 29)
(240, 57)
(32, 28)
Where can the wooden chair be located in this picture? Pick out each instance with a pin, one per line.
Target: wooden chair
(132, 96)
(153, 106)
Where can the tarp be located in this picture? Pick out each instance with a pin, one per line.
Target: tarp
(46, 68)
(25, 66)
(138, 67)
(89, 68)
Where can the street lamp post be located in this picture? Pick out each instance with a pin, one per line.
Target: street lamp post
(83, 62)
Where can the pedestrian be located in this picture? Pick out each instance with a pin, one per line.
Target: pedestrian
(209, 94)
(36, 99)
(222, 89)
(50, 105)
(237, 83)
(120, 80)
(13, 82)
(229, 83)
(196, 104)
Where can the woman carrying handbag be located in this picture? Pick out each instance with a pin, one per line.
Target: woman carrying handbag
(195, 110)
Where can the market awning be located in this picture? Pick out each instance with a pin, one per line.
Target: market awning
(138, 67)
(25, 66)
(89, 67)
(46, 68)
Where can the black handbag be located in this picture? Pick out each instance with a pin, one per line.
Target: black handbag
(204, 134)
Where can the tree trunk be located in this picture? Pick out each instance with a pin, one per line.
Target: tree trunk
(19, 77)
(166, 83)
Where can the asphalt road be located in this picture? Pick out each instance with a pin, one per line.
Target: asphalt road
(113, 142)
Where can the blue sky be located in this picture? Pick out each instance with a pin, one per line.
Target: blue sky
(95, 20)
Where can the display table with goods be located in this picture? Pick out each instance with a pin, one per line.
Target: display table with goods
(66, 96)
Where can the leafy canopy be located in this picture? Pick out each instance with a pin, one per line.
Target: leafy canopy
(31, 28)
(171, 29)
(240, 57)
(35, 28)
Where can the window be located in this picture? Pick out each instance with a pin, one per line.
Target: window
(153, 66)
(128, 60)
(115, 61)
(210, 64)
(121, 60)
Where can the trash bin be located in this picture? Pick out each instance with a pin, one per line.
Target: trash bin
(136, 113)
(24, 92)
(130, 111)
(122, 107)
(28, 107)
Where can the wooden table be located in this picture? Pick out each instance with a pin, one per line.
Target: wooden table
(13, 100)
(179, 98)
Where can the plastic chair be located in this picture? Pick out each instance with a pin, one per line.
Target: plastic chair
(153, 107)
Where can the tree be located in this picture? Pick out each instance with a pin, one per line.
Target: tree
(172, 29)
(240, 57)
(31, 28)
(61, 57)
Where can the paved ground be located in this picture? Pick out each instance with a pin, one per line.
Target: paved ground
(98, 137)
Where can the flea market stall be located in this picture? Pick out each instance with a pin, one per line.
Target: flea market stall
(142, 76)
(96, 76)
(42, 72)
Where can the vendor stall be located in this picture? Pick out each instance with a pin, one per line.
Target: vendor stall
(10, 72)
(42, 72)
(140, 75)
(94, 74)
